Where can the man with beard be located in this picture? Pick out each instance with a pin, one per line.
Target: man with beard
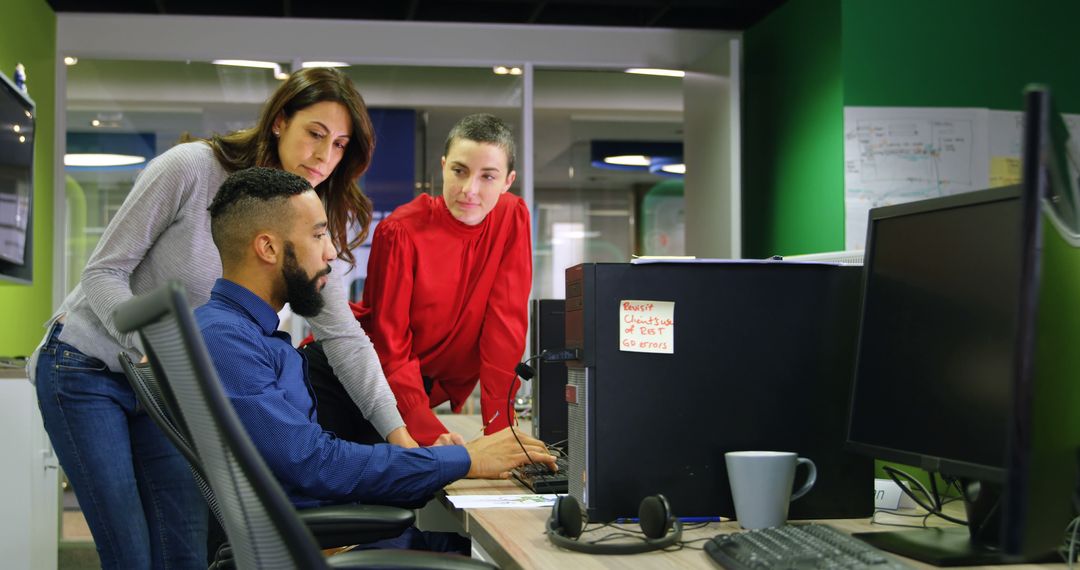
(271, 231)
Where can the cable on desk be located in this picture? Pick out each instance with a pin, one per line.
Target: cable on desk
(935, 509)
(923, 516)
(1068, 548)
(510, 402)
(687, 544)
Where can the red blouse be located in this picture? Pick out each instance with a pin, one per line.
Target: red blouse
(449, 302)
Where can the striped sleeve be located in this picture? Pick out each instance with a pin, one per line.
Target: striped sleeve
(353, 358)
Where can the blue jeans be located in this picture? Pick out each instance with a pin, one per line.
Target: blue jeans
(135, 489)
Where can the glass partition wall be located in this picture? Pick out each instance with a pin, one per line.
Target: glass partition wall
(586, 209)
(583, 209)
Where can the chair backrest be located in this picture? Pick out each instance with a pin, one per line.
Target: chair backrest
(263, 528)
(160, 404)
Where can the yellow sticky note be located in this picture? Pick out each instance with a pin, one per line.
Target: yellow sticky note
(1004, 170)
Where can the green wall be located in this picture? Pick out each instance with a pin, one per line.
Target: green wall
(793, 122)
(959, 53)
(810, 58)
(29, 37)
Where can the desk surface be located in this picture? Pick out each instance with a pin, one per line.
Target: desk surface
(515, 537)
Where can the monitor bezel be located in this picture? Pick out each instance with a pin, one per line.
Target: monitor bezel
(932, 463)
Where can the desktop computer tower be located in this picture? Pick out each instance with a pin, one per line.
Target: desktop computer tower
(745, 356)
(549, 384)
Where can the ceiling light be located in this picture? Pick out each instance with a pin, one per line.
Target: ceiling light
(95, 123)
(308, 64)
(656, 71)
(515, 70)
(275, 67)
(95, 159)
(70, 60)
(22, 138)
(501, 70)
(628, 160)
(17, 128)
(674, 168)
(247, 63)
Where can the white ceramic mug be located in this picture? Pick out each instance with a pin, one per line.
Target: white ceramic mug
(761, 483)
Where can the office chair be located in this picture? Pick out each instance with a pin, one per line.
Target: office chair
(264, 529)
(334, 526)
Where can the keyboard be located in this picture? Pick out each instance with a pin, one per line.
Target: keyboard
(796, 546)
(540, 480)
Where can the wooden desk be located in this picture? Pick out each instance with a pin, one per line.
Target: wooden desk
(515, 538)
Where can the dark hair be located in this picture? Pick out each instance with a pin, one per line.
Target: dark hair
(484, 128)
(250, 201)
(257, 146)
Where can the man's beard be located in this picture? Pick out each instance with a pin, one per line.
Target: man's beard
(302, 293)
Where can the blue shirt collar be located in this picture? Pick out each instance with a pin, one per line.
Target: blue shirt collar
(244, 300)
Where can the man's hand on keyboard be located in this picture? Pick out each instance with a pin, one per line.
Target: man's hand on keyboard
(493, 456)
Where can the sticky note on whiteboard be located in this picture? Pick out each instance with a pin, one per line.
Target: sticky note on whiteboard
(647, 326)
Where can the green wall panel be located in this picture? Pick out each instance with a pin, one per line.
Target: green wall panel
(30, 37)
(792, 147)
(959, 53)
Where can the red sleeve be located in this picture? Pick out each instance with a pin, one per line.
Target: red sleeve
(502, 339)
(387, 295)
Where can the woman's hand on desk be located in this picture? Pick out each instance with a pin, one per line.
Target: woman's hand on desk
(493, 456)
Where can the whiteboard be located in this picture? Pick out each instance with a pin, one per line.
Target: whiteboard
(894, 155)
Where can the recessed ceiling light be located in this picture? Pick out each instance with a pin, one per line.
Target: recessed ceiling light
(17, 128)
(515, 70)
(95, 123)
(275, 67)
(674, 168)
(501, 70)
(308, 64)
(247, 63)
(628, 160)
(656, 71)
(70, 60)
(92, 159)
(22, 138)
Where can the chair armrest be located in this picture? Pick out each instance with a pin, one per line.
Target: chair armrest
(344, 525)
(406, 559)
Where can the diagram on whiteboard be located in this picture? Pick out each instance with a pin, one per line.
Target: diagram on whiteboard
(896, 155)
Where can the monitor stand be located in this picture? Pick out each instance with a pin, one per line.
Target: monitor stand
(973, 545)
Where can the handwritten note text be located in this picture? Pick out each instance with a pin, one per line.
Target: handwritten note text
(647, 326)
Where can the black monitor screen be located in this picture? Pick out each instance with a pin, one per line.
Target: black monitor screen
(16, 182)
(935, 365)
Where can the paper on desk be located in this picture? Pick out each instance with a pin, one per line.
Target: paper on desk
(501, 501)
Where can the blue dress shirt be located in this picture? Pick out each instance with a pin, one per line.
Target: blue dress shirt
(266, 380)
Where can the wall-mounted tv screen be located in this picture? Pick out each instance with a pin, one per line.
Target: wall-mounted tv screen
(16, 183)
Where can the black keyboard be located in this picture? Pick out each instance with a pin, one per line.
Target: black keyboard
(796, 546)
(538, 478)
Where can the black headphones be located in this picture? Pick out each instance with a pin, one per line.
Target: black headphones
(566, 523)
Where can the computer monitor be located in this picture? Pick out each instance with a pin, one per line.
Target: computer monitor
(16, 183)
(957, 365)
